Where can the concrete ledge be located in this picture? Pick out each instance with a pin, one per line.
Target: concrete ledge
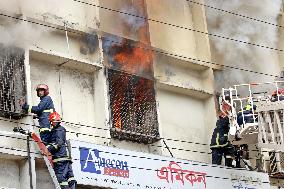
(192, 62)
(14, 153)
(195, 92)
(65, 60)
(16, 147)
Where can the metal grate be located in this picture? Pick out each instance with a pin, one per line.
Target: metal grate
(273, 162)
(282, 160)
(276, 164)
(133, 107)
(12, 82)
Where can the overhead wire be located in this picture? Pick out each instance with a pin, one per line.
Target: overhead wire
(147, 47)
(234, 13)
(148, 169)
(103, 137)
(136, 133)
(181, 27)
(63, 29)
(199, 60)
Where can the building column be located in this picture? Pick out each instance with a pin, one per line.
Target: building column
(26, 175)
(25, 166)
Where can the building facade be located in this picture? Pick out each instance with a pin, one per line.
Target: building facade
(123, 74)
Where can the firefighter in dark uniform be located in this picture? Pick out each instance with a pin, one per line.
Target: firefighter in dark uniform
(58, 148)
(277, 95)
(220, 145)
(42, 110)
(246, 114)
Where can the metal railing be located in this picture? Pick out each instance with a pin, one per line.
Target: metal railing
(254, 95)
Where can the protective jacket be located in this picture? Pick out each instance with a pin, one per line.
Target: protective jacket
(43, 109)
(58, 146)
(220, 134)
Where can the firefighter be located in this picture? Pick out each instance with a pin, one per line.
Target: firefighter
(60, 155)
(280, 96)
(220, 145)
(42, 110)
(247, 114)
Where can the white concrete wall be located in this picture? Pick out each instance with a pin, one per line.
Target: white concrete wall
(73, 97)
(171, 12)
(182, 118)
(186, 106)
(173, 71)
(177, 40)
(43, 179)
(9, 174)
(114, 21)
(281, 39)
(80, 16)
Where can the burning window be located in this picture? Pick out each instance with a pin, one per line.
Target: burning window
(131, 89)
(133, 107)
(12, 81)
(129, 56)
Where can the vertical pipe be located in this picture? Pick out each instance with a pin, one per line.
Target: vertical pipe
(231, 97)
(66, 35)
(277, 91)
(30, 163)
(60, 92)
(242, 110)
(110, 122)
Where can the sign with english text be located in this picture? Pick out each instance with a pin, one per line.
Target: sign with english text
(104, 166)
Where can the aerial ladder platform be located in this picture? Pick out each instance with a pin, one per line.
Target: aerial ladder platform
(265, 125)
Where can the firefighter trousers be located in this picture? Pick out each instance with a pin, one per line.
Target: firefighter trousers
(44, 130)
(218, 153)
(64, 174)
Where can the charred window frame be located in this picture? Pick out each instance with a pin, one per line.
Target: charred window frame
(12, 81)
(133, 107)
(131, 87)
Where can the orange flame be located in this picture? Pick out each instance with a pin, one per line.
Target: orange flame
(118, 122)
(134, 59)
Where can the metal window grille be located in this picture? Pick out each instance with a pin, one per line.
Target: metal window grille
(12, 82)
(133, 107)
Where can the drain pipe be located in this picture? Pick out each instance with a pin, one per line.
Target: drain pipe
(30, 162)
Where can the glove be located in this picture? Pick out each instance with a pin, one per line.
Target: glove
(25, 107)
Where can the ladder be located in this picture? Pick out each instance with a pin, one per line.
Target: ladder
(45, 153)
(47, 159)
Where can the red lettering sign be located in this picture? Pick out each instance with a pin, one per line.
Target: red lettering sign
(175, 173)
(116, 172)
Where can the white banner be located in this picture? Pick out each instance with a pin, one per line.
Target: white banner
(104, 166)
